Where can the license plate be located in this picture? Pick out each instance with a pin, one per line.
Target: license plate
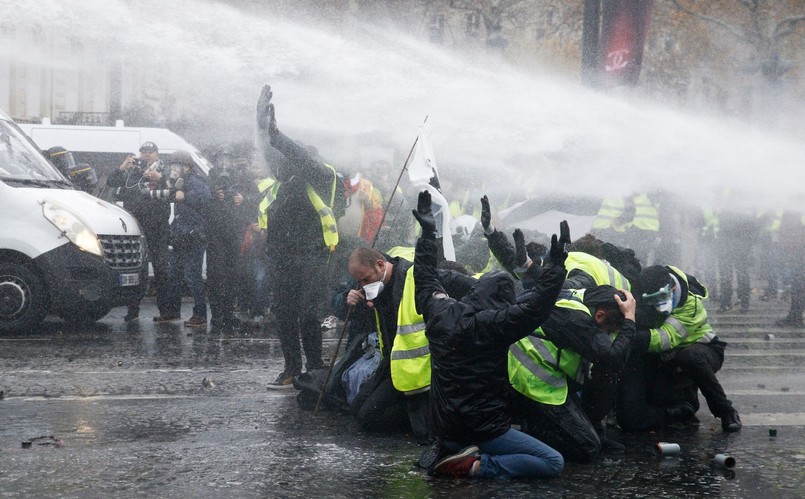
(129, 279)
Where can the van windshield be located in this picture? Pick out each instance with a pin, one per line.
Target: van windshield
(21, 162)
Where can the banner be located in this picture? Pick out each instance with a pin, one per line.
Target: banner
(624, 24)
(612, 41)
(423, 175)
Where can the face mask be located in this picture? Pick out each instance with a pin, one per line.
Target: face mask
(373, 289)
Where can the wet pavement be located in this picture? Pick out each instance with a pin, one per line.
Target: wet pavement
(129, 415)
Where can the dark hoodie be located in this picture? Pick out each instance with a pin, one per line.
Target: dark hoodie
(469, 341)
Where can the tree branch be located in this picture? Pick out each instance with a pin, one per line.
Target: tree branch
(787, 26)
(737, 32)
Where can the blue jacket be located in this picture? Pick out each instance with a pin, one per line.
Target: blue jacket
(190, 215)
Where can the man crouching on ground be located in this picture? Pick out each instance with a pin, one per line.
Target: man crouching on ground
(469, 340)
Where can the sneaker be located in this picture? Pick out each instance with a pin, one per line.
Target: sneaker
(283, 382)
(329, 323)
(731, 422)
(458, 465)
(430, 455)
(196, 321)
(167, 318)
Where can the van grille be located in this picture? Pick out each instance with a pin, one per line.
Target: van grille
(122, 252)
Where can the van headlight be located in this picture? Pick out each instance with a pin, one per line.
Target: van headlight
(72, 228)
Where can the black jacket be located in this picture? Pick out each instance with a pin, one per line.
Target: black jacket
(151, 213)
(469, 340)
(294, 226)
(577, 331)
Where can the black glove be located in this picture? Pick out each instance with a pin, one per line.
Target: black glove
(486, 216)
(520, 254)
(424, 214)
(560, 247)
(265, 111)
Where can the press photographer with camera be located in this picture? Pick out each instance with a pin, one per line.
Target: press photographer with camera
(136, 179)
(188, 235)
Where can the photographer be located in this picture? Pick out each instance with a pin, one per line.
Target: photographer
(188, 235)
(230, 215)
(136, 179)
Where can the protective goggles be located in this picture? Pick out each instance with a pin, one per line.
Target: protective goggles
(661, 300)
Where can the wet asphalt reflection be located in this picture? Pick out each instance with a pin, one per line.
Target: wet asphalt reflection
(130, 416)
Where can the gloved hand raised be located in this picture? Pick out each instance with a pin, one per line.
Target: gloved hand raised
(521, 259)
(265, 111)
(560, 247)
(486, 216)
(424, 214)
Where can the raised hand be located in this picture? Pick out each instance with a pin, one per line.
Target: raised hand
(424, 214)
(560, 246)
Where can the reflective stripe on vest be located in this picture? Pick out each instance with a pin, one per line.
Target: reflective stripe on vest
(268, 187)
(645, 216)
(410, 354)
(539, 370)
(600, 270)
(611, 209)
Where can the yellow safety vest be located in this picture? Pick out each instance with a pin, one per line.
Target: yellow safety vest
(404, 252)
(600, 270)
(410, 353)
(686, 324)
(711, 223)
(539, 369)
(645, 215)
(329, 227)
(611, 209)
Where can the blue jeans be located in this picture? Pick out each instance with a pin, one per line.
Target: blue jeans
(515, 455)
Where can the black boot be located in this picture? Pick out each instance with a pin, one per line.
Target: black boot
(730, 421)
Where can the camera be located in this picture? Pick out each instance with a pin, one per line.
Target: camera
(140, 163)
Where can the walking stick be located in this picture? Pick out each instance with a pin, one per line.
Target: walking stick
(349, 311)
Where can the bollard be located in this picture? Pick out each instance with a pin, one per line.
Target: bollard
(724, 460)
(26, 444)
(666, 449)
(772, 432)
(769, 336)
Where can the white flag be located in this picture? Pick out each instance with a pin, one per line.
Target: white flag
(423, 175)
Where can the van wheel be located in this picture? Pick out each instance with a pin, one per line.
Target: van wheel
(22, 298)
(86, 316)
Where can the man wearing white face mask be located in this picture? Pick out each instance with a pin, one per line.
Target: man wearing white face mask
(402, 381)
(678, 355)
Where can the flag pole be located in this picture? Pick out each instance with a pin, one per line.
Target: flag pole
(396, 185)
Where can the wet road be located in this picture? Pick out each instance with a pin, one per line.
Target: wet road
(129, 416)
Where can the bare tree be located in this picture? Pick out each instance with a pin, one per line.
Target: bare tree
(762, 25)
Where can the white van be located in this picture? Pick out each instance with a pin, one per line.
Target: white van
(62, 251)
(105, 147)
